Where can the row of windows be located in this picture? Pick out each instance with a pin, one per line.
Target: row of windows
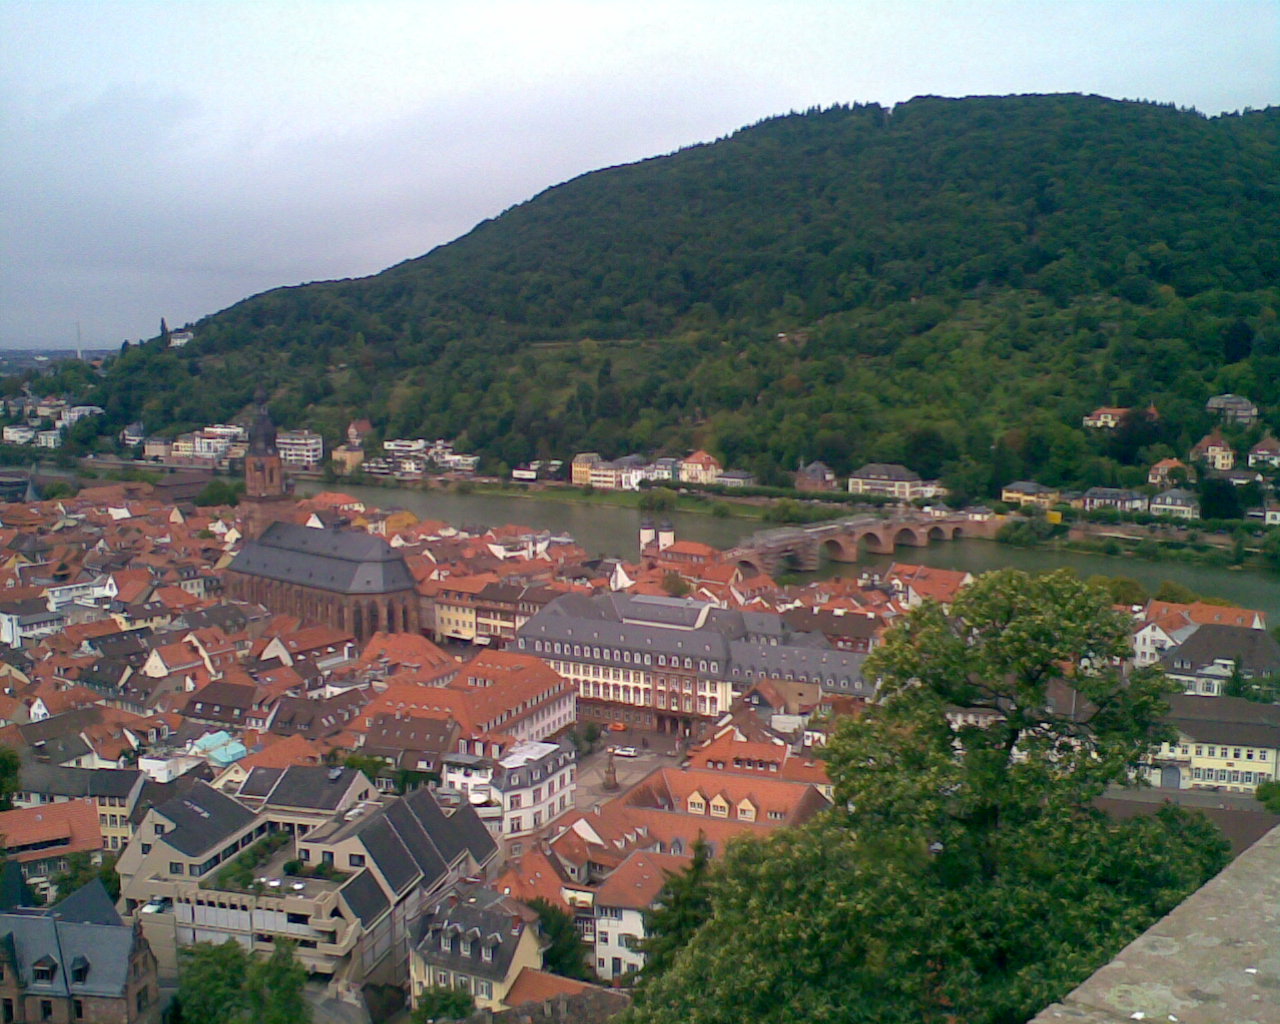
(1230, 752)
(624, 656)
(479, 986)
(625, 940)
(451, 942)
(555, 783)
(517, 820)
(634, 695)
(1228, 775)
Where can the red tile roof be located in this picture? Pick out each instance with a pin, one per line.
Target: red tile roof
(59, 829)
(636, 882)
(534, 986)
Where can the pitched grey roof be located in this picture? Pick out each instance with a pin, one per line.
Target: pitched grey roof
(460, 832)
(90, 904)
(1175, 496)
(1257, 650)
(365, 897)
(885, 471)
(473, 919)
(389, 853)
(834, 669)
(104, 949)
(343, 561)
(203, 818)
(1230, 720)
(259, 782)
(72, 782)
(312, 786)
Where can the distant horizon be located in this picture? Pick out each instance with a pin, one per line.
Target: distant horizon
(138, 189)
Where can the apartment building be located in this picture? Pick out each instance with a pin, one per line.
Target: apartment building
(335, 869)
(301, 448)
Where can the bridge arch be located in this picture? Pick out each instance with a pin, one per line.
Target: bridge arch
(909, 536)
(841, 548)
(749, 565)
(875, 541)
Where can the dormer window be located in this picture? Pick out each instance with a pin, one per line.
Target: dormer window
(44, 969)
(79, 970)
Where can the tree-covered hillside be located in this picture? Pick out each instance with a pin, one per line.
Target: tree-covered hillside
(952, 284)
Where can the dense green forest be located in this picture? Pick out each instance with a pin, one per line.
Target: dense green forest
(951, 284)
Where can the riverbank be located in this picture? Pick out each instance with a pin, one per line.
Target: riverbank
(609, 529)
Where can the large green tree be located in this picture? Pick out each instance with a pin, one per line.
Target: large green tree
(225, 984)
(681, 908)
(566, 954)
(274, 988)
(211, 982)
(963, 874)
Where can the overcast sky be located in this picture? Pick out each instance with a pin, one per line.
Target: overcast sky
(170, 158)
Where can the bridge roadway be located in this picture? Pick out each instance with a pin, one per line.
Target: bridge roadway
(801, 548)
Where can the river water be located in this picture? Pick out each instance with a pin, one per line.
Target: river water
(607, 530)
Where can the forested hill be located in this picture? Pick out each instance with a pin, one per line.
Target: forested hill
(949, 275)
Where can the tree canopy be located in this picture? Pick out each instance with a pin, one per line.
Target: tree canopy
(566, 954)
(442, 1003)
(80, 870)
(680, 909)
(225, 984)
(963, 874)
(10, 776)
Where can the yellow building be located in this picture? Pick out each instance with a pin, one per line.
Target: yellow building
(455, 606)
(1028, 492)
(1224, 743)
(580, 468)
(700, 468)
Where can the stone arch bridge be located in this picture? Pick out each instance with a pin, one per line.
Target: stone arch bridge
(802, 548)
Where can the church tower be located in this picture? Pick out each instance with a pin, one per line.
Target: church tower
(263, 470)
(266, 493)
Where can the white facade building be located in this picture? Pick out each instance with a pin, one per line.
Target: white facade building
(300, 448)
(522, 792)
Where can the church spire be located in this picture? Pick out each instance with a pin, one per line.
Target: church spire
(262, 434)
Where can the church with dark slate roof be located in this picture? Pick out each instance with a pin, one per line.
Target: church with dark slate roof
(344, 578)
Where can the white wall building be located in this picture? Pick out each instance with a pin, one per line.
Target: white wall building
(300, 448)
(524, 791)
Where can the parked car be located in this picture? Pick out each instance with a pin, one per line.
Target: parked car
(625, 752)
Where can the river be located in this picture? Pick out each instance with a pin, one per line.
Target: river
(608, 530)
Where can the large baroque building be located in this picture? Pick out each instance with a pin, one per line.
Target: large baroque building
(353, 580)
(671, 664)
